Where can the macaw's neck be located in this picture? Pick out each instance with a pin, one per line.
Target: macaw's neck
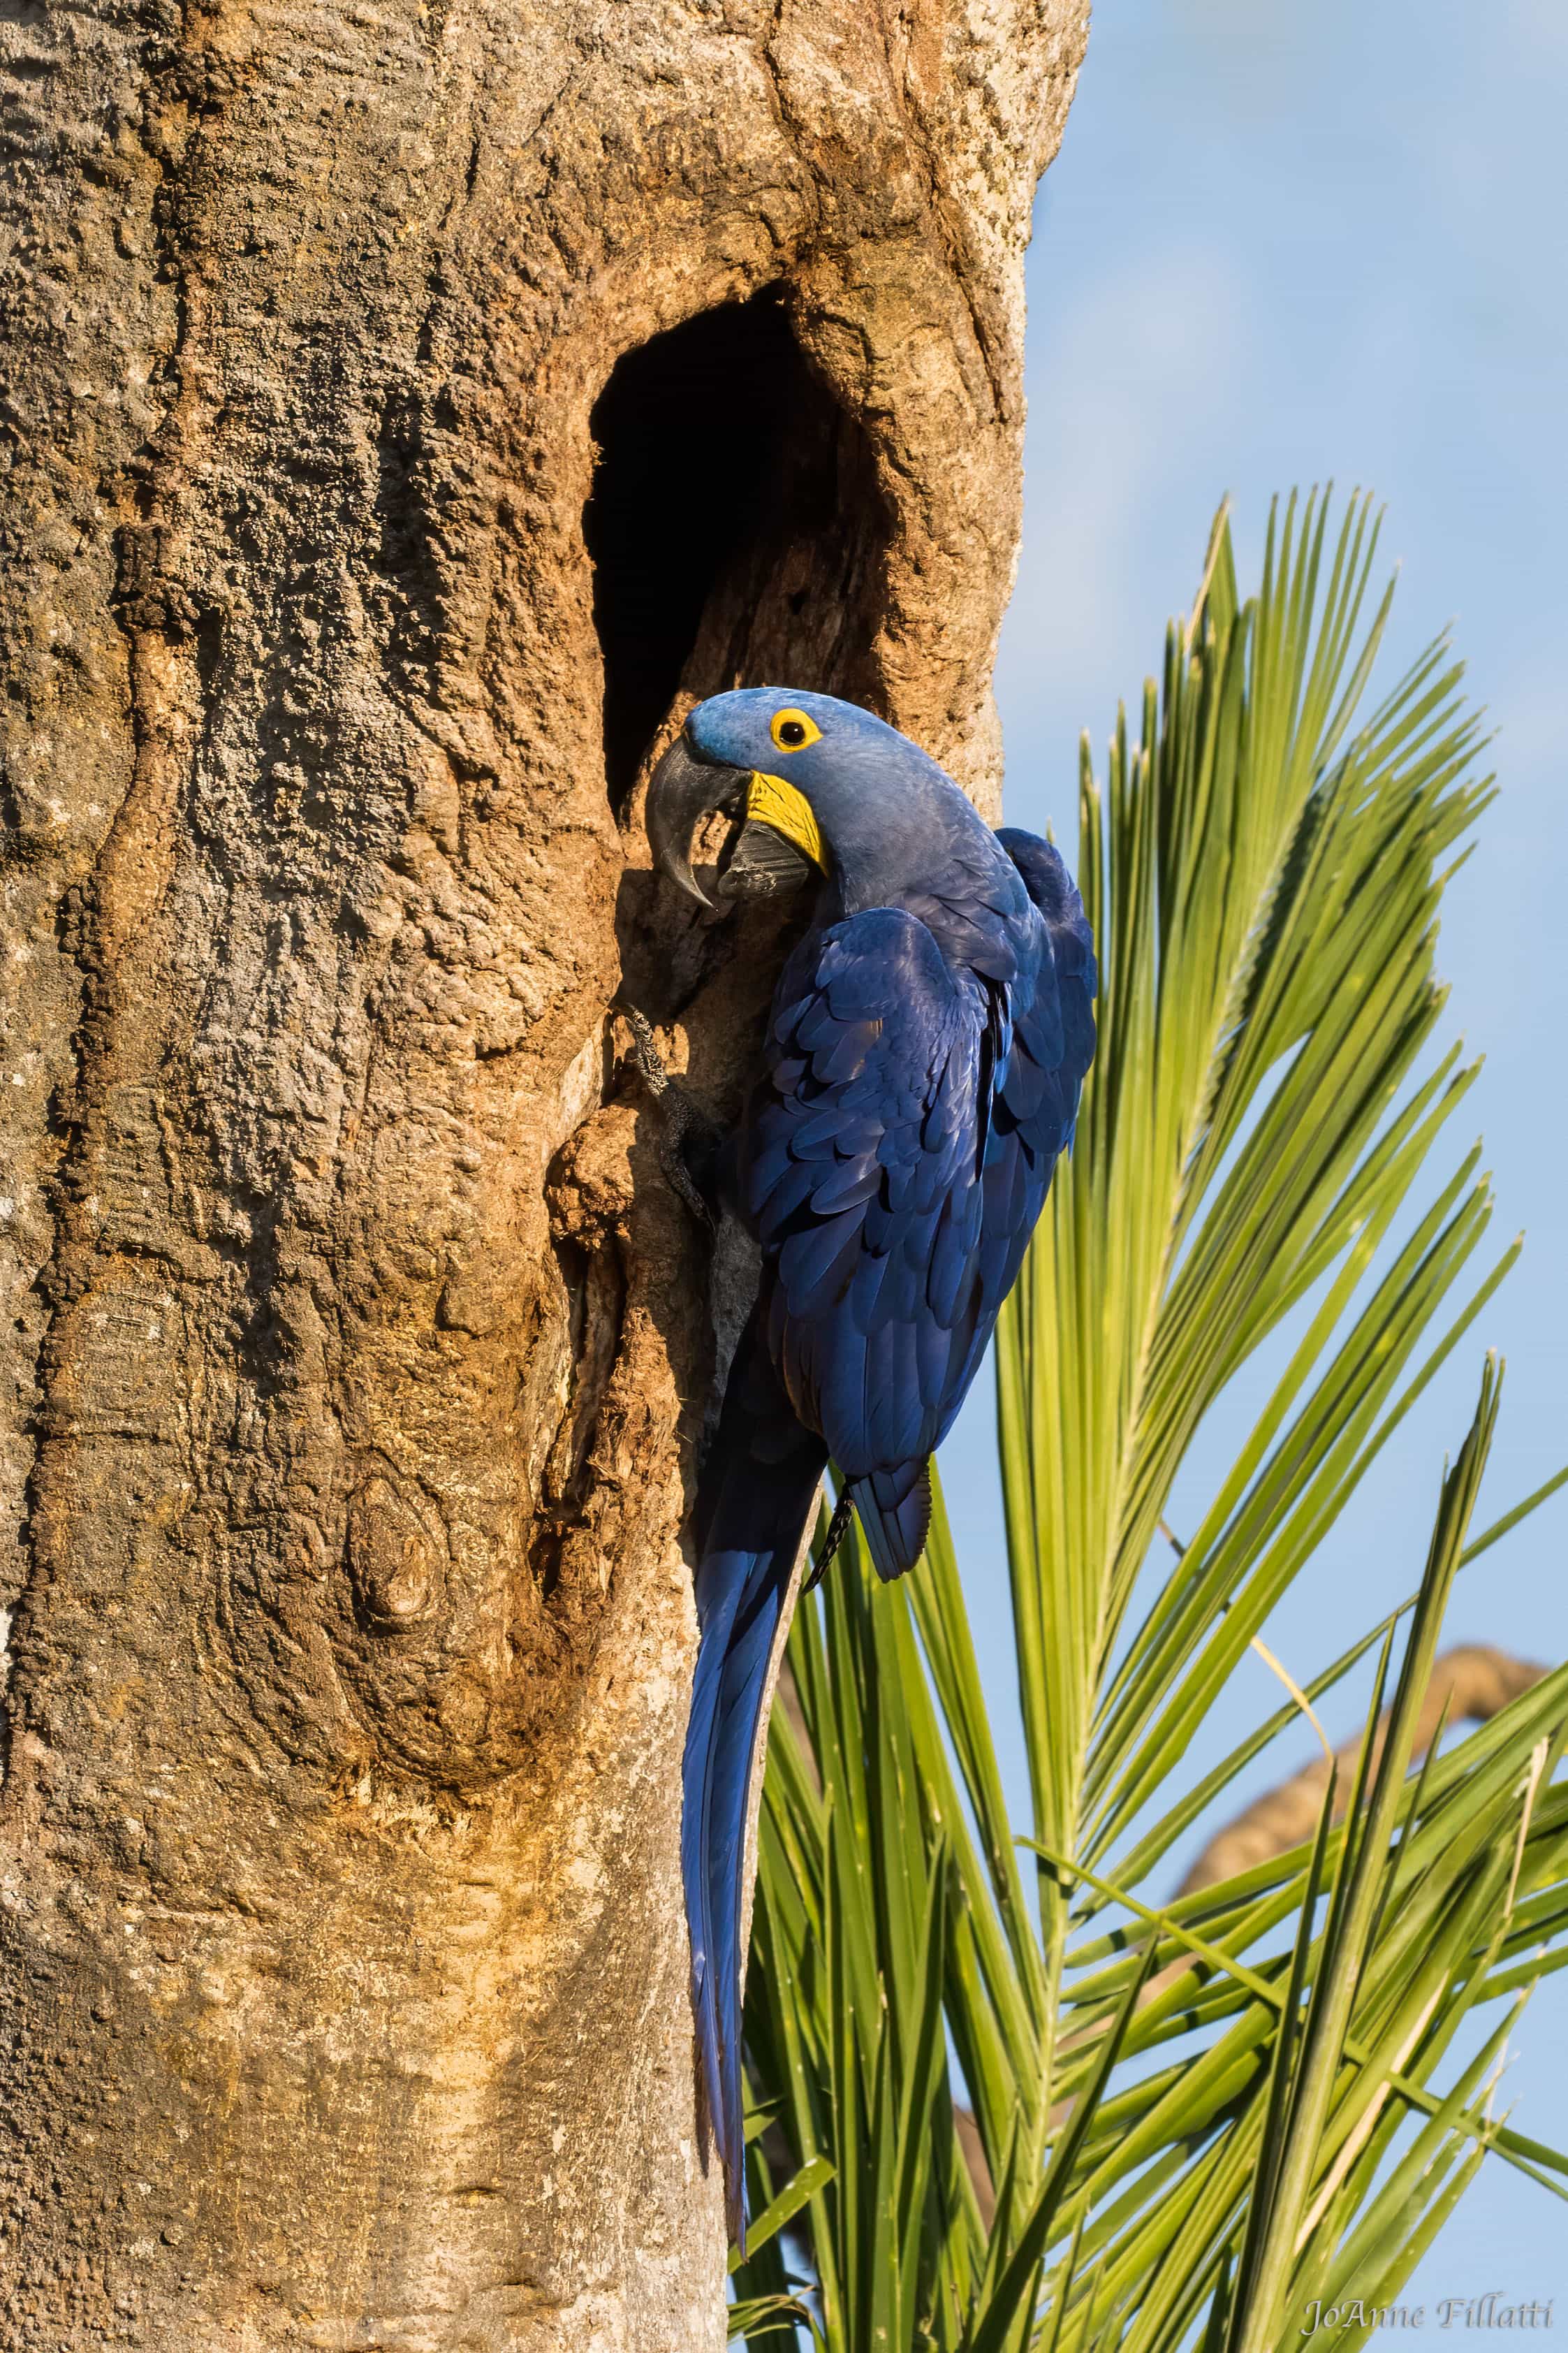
(916, 842)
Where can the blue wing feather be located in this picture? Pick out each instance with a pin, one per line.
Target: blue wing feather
(929, 1091)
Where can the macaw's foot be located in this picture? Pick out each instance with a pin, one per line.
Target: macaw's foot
(837, 1529)
(688, 1142)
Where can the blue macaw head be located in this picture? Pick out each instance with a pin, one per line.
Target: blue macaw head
(824, 788)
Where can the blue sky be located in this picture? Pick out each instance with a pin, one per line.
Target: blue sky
(1285, 243)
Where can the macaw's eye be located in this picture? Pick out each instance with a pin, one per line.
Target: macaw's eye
(791, 731)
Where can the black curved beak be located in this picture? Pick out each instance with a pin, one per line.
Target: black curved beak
(681, 792)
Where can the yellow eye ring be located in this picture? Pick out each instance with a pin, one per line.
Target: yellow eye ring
(791, 731)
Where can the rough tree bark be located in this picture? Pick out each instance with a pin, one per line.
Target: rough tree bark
(408, 408)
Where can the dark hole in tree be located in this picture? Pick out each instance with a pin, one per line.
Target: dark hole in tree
(730, 485)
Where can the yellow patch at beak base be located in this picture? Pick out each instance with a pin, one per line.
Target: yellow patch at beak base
(775, 803)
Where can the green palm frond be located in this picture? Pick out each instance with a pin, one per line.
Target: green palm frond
(1192, 2115)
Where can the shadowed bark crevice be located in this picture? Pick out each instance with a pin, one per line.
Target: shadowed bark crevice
(732, 493)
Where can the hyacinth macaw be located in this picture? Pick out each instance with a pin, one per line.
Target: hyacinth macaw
(927, 1039)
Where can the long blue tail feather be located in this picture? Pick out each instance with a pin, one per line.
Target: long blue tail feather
(755, 1504)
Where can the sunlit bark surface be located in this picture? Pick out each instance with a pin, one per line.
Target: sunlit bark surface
(406, 410)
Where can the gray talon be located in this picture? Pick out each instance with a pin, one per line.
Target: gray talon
(689, 1134)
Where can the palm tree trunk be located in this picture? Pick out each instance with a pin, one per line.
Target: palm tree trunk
(406, 410)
